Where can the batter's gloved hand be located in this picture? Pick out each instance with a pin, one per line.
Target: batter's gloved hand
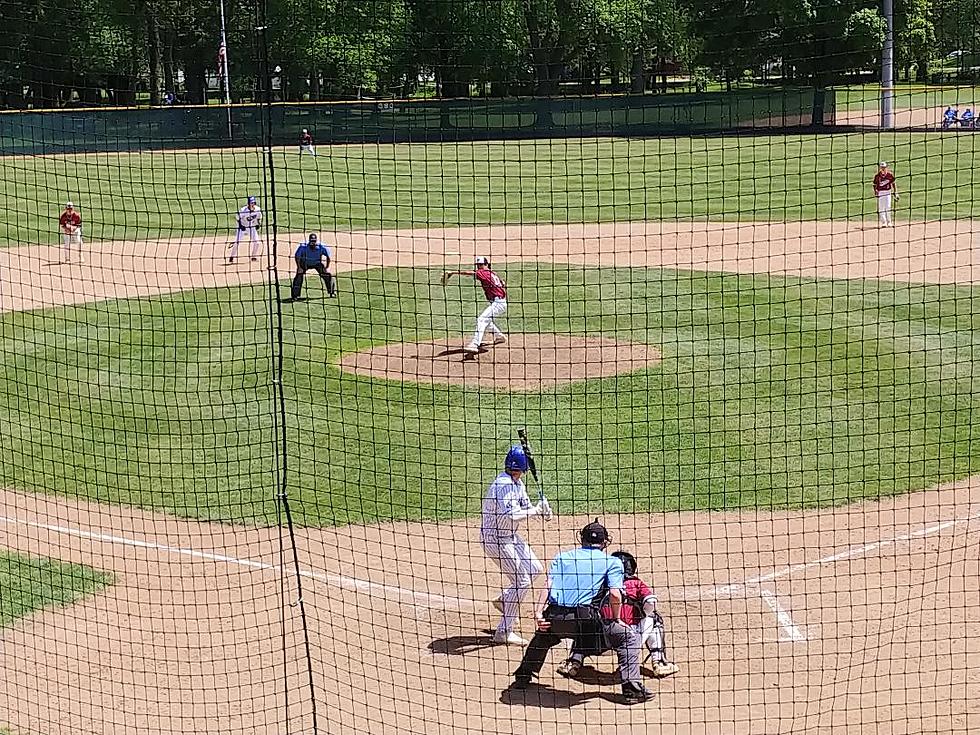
(241, 227)
(544, 509)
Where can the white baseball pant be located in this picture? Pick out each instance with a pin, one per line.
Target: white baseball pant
(253, 235)
(310, 148)
(69, 239)
(484, 322)
(884, 207)
(520, 566)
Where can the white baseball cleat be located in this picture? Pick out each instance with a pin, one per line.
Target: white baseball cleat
(666, 669)
(508, 638)
(471, 350)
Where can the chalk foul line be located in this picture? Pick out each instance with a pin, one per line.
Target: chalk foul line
(417, 598)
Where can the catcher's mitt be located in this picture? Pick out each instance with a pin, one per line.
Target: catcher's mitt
(445, 278)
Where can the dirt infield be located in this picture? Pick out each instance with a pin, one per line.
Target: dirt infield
(861, 619)
(524, 362)
(930, 252)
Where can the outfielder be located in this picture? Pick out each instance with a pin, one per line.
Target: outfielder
(884, 187)
(249, 219)
(70, 225)
(639, 610)
(312, 256)
(306, 143)
(505, 506)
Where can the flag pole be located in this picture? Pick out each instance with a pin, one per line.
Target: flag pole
(223, 59)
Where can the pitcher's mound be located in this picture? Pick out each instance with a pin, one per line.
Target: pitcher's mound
(524, 362)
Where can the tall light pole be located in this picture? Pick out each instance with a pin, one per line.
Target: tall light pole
(888, 68)
(223, 59)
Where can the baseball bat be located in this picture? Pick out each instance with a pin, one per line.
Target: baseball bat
(526, 446)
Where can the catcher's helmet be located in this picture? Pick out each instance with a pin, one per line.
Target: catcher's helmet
(629, 562)
(516, 459)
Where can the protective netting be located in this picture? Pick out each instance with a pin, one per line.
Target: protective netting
(264, 367)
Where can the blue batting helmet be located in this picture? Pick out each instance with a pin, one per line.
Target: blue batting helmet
(516, 459)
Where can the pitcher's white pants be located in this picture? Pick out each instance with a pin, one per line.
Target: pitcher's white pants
(484, 322)
(520, 566)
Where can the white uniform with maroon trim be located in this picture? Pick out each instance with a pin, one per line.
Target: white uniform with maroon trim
(884, 186)
(496, 293)
(505, 506)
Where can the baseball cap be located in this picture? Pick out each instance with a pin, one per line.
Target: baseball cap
(594, 533)
(882, 164)
(483, 260)
(69, 204)
(251, 200)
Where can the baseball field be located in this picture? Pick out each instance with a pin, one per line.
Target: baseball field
(766, 397)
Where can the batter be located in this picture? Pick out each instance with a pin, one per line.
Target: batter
(505, 506)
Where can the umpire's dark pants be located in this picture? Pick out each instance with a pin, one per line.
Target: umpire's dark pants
(301, 270)
(584, 624)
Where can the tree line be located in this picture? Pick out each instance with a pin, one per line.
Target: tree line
(116, 52)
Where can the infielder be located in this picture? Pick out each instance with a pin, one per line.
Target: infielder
(505, 506)
(312, 256)
(884, 187)
(70, 225)
(496, 293)
(639, 610)
(249, 219)
(306, 143)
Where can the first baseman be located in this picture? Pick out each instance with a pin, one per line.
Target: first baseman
(505, 506)
(884, 187)
(249, 218)
(496, 293)
(70, 225)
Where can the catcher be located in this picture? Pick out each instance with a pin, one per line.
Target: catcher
(70, 224)
(640, 611)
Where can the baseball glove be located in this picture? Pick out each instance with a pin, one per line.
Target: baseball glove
(445, 278)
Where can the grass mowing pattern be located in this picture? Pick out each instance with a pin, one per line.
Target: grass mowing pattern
(773, 393)
(574, 180)
(31, 583)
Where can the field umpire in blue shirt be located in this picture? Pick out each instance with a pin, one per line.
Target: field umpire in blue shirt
(312, 256)
(578, 583)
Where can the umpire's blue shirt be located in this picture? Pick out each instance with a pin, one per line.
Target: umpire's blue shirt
(309, 257)
(578, 576)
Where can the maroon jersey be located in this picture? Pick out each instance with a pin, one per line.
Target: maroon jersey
(634, 594)
(306, 139)
(493, 287)
(72, 218)
(884, 182)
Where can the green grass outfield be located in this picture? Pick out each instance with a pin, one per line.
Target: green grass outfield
(30, 583)
(133, 196)
(773, 392)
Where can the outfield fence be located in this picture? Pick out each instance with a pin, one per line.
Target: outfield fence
(402, 121)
